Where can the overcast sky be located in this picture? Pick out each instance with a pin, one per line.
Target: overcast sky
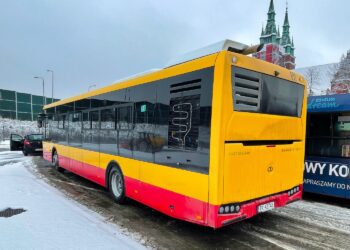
(97, 42)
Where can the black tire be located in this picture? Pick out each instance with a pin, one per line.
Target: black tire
(25, 153)
(116, 185)
(55, 162)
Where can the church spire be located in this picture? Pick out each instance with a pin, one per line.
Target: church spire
(285, 34)
(278, 45)
(271, 7)
(286, 20)
(270, 32)
(271, 14)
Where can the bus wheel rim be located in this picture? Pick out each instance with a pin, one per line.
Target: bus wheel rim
(117, 184)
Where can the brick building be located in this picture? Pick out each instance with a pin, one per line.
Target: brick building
(277, 49)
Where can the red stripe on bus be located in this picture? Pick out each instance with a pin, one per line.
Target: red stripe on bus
(47, 156)
(168, 202)
(95, 174)
(173, 204)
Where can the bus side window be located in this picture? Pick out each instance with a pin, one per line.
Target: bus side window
(184, 116)
(124, 118)
(124, 125)
(107, 119)
(86, 121)
(95, 127)
(61, 121)
(94, 119)
(75, 136)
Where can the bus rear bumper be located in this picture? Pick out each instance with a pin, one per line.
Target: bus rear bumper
(250, 208)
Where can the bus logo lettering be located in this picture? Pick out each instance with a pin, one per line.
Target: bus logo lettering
(293, 76)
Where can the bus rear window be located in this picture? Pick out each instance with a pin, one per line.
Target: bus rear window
(256, 92)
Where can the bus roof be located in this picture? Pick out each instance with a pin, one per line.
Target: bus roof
(149, 76)
(196, 54)
(207, 50)
(204, 57)
(328, 103)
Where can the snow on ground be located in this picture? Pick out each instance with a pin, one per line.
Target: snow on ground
(50, 221)
(322, 214)
(5, 144)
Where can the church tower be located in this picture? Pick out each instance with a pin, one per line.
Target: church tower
(278, 50)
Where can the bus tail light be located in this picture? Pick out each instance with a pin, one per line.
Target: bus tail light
(229, 209)
(293, 190)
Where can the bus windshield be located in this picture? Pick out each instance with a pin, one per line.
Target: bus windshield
(257, 92)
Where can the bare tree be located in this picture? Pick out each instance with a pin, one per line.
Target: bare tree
(332, 70)
(312, 75)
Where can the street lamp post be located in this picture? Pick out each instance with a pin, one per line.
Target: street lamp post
(39, 77)
(49, 70)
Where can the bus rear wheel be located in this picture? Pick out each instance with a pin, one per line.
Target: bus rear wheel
(55, 162)
(116, 185)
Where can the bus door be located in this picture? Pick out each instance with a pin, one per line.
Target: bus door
(75, 142)
(91, 155)
(124, 148)
(125, 130)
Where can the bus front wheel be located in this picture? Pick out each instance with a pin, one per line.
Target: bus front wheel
(116, 185)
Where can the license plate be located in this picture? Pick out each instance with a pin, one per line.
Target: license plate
(266, 207)
(38, 149)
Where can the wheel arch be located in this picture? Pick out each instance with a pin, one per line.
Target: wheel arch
(110, 165)
(53, 150)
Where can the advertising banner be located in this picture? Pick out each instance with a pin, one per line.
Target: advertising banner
(328, 176)
(328, 103)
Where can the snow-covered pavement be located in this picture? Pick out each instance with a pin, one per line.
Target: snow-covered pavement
(50, 220)
(5, 144)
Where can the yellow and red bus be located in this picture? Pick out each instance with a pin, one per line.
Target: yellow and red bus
(214, 138)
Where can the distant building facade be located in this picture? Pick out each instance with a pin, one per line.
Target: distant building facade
(341, 81)
(277, 49)
(21, 106)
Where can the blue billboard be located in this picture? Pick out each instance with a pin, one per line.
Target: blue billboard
(328, 103)
(328, 176)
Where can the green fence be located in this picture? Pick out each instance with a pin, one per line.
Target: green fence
(7, 95)
(21, 106)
